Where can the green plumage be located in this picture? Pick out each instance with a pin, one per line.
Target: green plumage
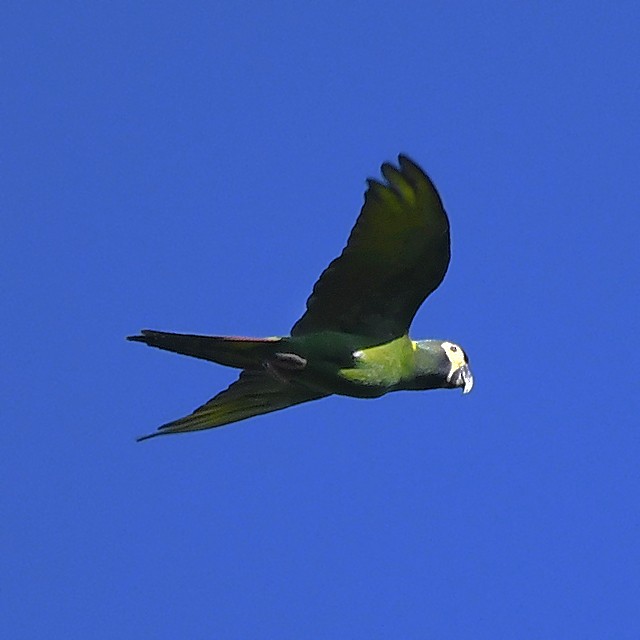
(353, 338)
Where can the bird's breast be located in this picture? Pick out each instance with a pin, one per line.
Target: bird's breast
(378, 369)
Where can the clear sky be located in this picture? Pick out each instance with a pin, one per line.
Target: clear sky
(193, 167)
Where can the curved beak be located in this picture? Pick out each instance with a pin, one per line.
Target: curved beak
(462, 377)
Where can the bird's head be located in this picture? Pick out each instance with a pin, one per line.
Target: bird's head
(442, 365)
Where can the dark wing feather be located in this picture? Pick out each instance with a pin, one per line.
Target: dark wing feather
(252, 394)
(397, 254)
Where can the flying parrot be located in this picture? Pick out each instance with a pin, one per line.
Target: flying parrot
(352, 340)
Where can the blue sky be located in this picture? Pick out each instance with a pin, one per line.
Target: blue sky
(194, 168)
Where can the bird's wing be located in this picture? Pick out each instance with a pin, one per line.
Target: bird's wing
(397, 254)
(253, 393)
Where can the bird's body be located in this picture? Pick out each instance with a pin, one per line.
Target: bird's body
(353, 339)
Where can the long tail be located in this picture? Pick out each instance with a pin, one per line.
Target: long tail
(243, 353)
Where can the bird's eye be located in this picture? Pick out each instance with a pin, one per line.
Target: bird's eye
(454, 348)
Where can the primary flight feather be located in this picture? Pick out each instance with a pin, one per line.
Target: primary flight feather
(353, 337)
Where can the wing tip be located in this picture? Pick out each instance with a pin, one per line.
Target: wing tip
(415, 174)
(407, 172)
(404, 161)
(163, 430)
(148, 436)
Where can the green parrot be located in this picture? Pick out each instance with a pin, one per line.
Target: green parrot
(352, 340)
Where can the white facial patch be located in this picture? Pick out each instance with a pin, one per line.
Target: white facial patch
(456, 357)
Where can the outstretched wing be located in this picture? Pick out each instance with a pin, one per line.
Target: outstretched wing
(253, 393)
(397, 254)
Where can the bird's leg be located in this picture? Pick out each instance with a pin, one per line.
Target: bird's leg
(290, 361)
(283, 363)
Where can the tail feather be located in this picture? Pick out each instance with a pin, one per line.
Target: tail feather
(242, 353)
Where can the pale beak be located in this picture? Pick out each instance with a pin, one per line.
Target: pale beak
(463, 377)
